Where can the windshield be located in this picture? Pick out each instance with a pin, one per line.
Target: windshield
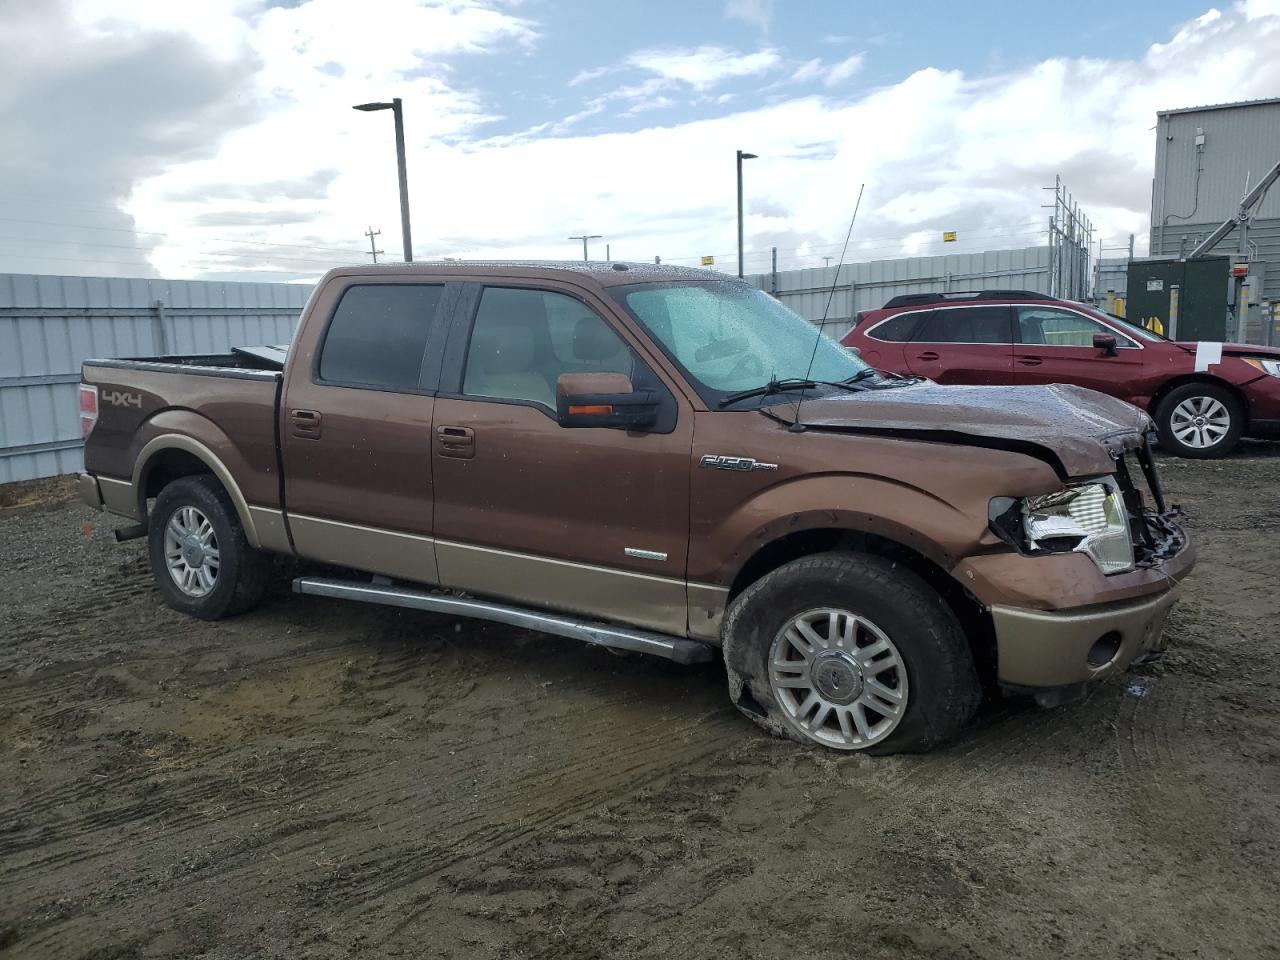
(728, 336)
(1128, 326)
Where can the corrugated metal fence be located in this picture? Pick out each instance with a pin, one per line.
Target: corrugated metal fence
(49, 325)
(866, 286)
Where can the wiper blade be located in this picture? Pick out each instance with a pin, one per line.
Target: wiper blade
(795, 383)
(773, 386)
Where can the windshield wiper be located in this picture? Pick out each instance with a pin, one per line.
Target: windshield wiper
(858, 377)
(792, 383)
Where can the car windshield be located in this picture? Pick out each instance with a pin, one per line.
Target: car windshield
(729, 337)
(1128, 326)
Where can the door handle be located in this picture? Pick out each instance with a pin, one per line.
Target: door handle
(456, 442)
(305, 423)
(927, 355)
(1030, 361)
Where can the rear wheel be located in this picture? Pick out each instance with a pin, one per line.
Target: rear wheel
(1199, 421)
(200, 557)
(852, 652)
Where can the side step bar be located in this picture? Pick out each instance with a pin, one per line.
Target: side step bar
(677, 649)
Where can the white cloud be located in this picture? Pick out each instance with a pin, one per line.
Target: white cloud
(843, 70)
(706, 66)
(759, 13)
(938, 149)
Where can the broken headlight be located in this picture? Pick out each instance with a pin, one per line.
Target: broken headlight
(1084, 518)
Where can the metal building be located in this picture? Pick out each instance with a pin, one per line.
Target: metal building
(1207, 159)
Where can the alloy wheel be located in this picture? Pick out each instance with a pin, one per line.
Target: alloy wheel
(191, 551)
(839, 678)
(1200, 422)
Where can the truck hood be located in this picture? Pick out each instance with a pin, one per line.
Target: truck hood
(1077, 431)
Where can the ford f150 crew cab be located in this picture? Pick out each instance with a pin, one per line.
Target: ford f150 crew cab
(654, 459)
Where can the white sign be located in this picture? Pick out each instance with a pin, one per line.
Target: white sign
(1155, 286)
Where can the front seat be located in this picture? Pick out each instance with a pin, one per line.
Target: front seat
(502, 364)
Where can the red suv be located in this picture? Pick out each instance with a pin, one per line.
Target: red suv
(1203, 396)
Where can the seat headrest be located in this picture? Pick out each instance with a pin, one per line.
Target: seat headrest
(593, 341)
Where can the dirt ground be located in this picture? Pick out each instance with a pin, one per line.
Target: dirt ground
(320, 779)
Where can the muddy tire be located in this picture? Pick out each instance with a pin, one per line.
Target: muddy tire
(1199, 421)
(201, 560)
(852, 652)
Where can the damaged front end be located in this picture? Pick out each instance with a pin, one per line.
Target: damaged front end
(1107, 518)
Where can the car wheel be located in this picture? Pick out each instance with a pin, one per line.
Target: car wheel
(1200, 421)
(201, 560)
(852, 652)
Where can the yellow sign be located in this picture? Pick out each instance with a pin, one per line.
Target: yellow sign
(708, 261)
(948, 236)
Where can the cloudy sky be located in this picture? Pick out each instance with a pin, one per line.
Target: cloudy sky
(215, 139)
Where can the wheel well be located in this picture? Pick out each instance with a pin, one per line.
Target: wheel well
(1170, 385)
(973, 617)
(168, 466)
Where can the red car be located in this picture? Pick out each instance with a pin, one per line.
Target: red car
(1203, 396)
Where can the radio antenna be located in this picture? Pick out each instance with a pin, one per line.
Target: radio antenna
(796, 426)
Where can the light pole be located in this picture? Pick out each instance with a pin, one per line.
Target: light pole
(584, 237)
(395, 107)
(741, 156)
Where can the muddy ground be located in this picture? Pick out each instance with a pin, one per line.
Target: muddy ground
(321, 780)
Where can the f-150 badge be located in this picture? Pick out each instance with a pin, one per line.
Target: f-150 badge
(735, 463)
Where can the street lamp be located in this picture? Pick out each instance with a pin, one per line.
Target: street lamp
(741, 156)
(584, 238)
(395, 107)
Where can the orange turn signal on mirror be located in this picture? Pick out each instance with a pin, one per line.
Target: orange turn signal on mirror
(591, 409)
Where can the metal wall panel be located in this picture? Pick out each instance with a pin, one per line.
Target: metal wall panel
(1264, 241)
(866, 286)
(49, 325)
(1242, 143)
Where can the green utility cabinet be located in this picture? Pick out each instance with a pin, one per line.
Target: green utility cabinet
(1182, 299)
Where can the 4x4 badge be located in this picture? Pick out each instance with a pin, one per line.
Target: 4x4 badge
(735, 463)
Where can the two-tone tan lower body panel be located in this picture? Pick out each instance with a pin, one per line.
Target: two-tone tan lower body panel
(388, 552)
(658, 603)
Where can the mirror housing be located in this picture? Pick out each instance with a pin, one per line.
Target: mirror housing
(1106, 343)
(604, 400)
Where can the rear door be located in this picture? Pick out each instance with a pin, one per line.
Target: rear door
(590, 520)
(355, 426)
(964, 344)
(1056, 346)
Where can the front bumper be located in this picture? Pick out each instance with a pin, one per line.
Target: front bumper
(1054, 648)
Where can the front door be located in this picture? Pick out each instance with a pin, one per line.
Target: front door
(355, 427)
(1057, 347)
(591, 520)
(963, 344)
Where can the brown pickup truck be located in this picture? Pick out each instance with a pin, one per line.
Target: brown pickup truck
(654, 459)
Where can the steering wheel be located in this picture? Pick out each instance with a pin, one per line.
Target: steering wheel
(748, 363)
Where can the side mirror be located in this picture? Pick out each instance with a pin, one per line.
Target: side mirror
(604, 400)
(1106, 343)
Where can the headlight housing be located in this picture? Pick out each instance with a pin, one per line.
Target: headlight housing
(1265, 364)
(1084, 518)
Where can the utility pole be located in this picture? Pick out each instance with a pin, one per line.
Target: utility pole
(657, 259)
(826, 261)
(607, 255)
(373, 249)
(741, 156)
(584, 237)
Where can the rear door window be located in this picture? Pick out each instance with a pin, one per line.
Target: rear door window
(967, 325)
(378, 336)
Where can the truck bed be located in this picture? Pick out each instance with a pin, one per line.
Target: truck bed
(225, 402)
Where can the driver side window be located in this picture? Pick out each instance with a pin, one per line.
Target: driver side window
(1061, 328)
(523, 340)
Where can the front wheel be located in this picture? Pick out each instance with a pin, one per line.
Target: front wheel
(201, 560)
(852, 652)
(1199, 421)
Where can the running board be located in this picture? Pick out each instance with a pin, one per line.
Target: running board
(677, 649)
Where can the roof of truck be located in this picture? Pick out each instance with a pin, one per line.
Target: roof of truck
(607, 273)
